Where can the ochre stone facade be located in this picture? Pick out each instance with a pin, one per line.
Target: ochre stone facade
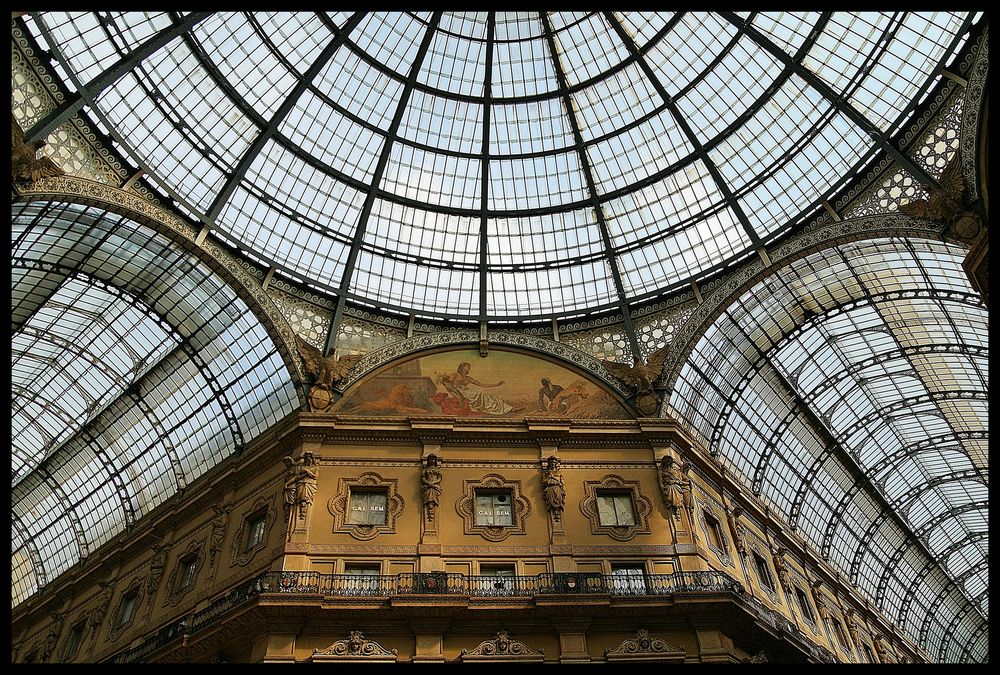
(262, 563)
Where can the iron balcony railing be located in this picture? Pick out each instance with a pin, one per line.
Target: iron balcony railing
(487, 586)
(430, 583)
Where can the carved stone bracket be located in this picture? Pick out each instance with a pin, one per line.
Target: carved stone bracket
(644, 647)
(356, 648)
(503, 649)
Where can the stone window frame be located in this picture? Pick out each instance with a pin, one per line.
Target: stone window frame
(197, 549)
(642, 506)
(340, 504)
(466, 507)
(118, 626)
(81, 623)
(772, 592)
(804, 604)
(243, 556)
(708, 510)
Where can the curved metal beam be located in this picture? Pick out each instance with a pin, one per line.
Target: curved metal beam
(383, 160)
(34, 557)
(972, 642)
(86, 93)
(910, 592)
(324, 57)
(595, 199)
(949, 632)
(484, 163)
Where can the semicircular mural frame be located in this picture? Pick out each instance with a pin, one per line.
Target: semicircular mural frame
(457, 382)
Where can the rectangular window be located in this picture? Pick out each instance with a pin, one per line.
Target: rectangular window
(255, 529)
(715, 537)
(763, 572)
(129, 602)
(189, 566)
(363, 578)
(73, 642)
(493, 508)
(497, 579)
(367, 507)
(868, 653)
(615, 508)
(628, 579)
(804, 605)
(839, 632)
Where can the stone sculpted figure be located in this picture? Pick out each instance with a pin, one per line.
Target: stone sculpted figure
(553, 491)
(430, 486)
(300, 486)
(671, 485)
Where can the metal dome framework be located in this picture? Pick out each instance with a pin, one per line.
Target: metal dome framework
(518, 167)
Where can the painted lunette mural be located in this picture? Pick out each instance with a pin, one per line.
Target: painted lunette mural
(460, 383)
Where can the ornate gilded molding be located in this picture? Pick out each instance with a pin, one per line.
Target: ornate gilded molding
(503, 649)
(975, 89)
(644, 647)
(356, 648)
(242, 556)
(246, 285)
(340, 505)
(520, 507)
(792, 249)
(641, 506)
(379, 357)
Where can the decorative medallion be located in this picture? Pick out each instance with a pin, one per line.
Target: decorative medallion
(503, 648)
(645, 648)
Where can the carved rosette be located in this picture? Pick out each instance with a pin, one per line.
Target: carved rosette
(503, 648)
(339, 506)
(355, 648)
(520, 507)
(644, 647)
(642, 506)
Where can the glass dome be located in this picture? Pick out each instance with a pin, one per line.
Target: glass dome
(500, 165)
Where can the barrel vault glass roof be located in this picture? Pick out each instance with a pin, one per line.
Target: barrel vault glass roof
(511, 166)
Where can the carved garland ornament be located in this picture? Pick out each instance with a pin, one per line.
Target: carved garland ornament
(340, 505)
(355, 648)
(503, 648)
(645, 648)
(641, 506)
(243, 556)
(520, 507)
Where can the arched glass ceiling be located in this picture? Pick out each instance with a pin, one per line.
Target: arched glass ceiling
(499, 164)
(849, 389)
(134, 369)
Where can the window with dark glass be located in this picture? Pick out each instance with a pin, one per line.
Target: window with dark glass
(869, 655)
(367, 507)
(130, 601)
(838, 630)
(363, 578)
(763, 572)
(628, 579)
(189, 566)
(615, 508)
(73, 642)
(715, 537)
(255, 529)
(804, 605)
(494, 508)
